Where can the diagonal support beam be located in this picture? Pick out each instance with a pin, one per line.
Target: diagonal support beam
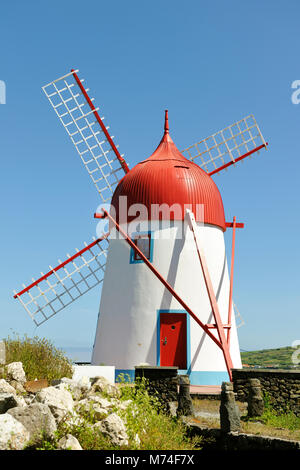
(162, 279)
(211, 294)
(231, 278)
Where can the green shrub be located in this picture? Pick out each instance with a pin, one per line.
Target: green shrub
(40, 358)
(284, 419)
(144, 417)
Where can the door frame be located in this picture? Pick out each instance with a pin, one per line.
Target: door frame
(188, 339)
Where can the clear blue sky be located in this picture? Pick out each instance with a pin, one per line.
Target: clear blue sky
(209, 63)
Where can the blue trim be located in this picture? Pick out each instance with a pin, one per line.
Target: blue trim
(204, 377)
(197, 377)
(188, 339)
(132, 252)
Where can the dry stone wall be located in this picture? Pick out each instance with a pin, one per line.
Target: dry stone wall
(282, 387)
(162, 382)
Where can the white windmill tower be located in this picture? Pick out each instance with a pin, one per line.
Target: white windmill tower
(167, 295)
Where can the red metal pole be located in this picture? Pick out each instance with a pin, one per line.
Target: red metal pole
(238, 159)
(237, 224)
(90, 103)
(231, 279)
(162, 280)
(213, 300)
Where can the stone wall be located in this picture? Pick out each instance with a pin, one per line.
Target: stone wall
(281, 386)
(161, 382)
(216, 440)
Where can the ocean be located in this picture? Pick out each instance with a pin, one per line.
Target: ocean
(78, 354)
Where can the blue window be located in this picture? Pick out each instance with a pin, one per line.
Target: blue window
(144, 242)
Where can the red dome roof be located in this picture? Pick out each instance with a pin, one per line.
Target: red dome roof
(168, 178)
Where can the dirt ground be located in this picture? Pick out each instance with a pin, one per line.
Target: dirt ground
(207, 415)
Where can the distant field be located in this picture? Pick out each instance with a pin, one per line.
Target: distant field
(279, 358)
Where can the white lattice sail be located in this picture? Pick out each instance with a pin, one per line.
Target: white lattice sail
(227, 146)
(80, 118)
(238, 317)
(65, 283)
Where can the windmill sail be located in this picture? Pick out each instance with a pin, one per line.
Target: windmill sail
(227, 146)
(81, 120)
(238, 317)
(65, 283)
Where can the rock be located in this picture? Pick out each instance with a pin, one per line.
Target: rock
(7, 401)
(255, 398)
(172, 408)
(74, 419)
(185, 404)
(5, 387)
(77, 389)
(229, 411)
(16, 372)
(69, 442)
(20, 401)
(18, 386)
(60, 402)
(29, 399)
(102, 385)
(34, 386)
(96, 405)
(13, 435)
(2, 352)
(36, 418)
(103, 402)
(113, 427)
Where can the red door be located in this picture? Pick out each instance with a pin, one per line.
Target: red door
(173, 339)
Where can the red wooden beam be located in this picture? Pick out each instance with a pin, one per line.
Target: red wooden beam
(162, 279)
(238, 159)
(213, 325)
(231, 279)
(99, 216)
(237, 225)
(212, 297)
(90, 103)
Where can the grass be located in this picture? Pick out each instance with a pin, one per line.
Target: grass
(40, 358)
(287, 423)
(271, 423)
(278, 358)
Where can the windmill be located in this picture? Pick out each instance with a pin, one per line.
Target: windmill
(166, 300)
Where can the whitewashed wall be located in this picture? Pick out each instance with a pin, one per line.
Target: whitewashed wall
(131, 297)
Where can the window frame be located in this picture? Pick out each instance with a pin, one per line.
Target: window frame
(135, 237)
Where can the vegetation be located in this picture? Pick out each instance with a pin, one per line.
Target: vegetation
(285, 425)
(147, 427)
(40, 359)
(156, 430)
(278, 358)
(275, 419)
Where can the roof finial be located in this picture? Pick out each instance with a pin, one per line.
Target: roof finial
(166, 122)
